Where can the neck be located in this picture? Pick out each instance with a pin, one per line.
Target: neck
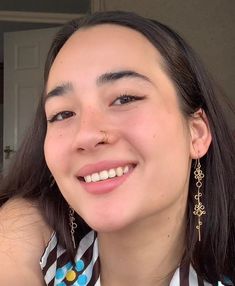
(145, 253)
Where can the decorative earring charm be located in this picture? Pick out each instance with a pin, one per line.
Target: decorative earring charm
(199, 208)
(73, 225)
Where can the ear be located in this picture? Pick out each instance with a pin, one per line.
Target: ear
(200, 134)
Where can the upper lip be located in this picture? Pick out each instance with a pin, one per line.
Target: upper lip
(102, 165)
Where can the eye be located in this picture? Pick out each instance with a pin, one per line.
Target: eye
(124, 99)
(61, 116)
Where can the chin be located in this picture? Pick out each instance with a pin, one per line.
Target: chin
(106, 225)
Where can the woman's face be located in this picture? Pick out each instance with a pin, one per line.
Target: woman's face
(111, 78)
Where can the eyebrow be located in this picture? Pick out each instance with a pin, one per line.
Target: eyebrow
(102, 79)
(59, 90)
(114, 76)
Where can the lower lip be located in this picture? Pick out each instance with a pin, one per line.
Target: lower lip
(106, 186)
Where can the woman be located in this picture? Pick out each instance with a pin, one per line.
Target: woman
(128, 170)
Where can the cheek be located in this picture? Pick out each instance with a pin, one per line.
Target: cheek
(56, 151)
(153, 131)
(138, 125)
(162, 142)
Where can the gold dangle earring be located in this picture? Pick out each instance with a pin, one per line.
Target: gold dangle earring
(199, 208)
(73, 225)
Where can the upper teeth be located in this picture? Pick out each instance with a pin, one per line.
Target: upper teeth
(105, 174)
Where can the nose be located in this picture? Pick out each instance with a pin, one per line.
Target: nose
(93, 131)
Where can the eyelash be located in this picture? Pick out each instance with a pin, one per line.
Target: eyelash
(128, 98)
(67, 114)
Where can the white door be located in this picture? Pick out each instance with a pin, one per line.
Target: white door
(24, 58)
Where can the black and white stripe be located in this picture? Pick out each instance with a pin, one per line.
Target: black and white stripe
(56, 257)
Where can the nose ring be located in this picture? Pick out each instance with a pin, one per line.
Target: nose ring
(105, 138)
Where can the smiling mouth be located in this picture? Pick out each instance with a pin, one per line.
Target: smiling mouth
(107, 174)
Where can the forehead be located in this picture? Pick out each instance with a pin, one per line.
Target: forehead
(104, 48)
(108, 35)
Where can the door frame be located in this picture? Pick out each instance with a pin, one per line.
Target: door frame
(43, 17)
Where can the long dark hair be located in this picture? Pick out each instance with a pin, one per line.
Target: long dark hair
(214, 257)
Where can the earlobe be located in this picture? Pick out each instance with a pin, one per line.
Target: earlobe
(200, 134)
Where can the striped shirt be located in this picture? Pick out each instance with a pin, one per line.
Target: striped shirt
(60, 271)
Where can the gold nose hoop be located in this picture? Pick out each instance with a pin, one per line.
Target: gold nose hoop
(105, 138)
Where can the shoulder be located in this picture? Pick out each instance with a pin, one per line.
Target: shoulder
(23, 237)
(20, 218)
